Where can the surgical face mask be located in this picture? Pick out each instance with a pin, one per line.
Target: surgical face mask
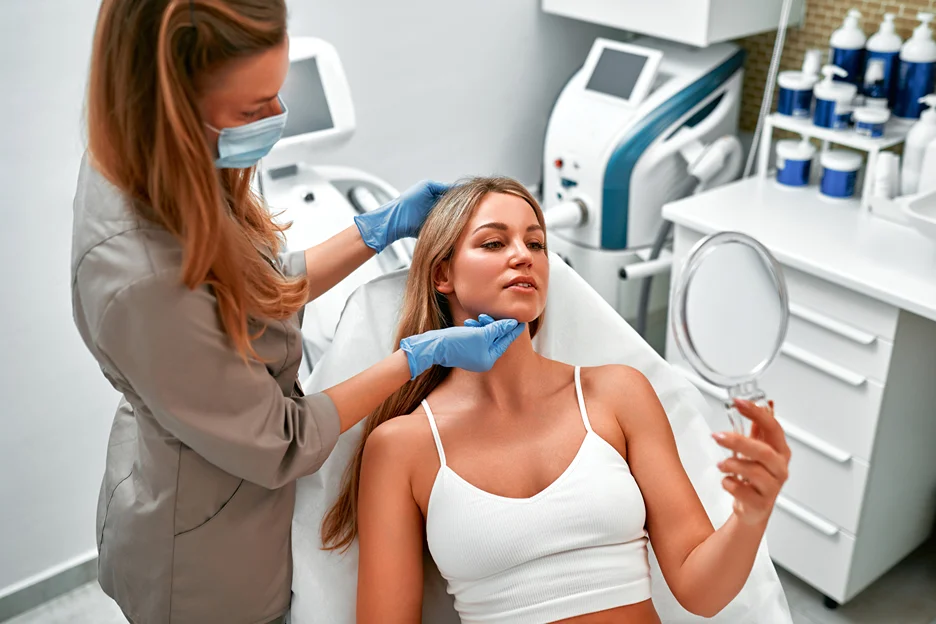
(243, 146)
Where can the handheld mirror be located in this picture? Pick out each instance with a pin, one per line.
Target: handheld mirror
(730, 315)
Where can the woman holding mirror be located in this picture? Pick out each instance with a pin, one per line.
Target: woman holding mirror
(537, 485)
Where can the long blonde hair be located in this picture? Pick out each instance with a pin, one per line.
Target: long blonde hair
(423, 310)
(146, 136)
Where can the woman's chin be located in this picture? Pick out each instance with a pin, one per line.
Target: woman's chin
(520, 313)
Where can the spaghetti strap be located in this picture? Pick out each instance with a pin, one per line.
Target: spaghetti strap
(581, 398)
(435, 431)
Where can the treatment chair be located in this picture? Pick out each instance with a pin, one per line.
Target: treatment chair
(580, 328)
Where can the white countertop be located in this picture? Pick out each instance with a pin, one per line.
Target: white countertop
(831, 239)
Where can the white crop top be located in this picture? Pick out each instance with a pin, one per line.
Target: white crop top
(579, 546)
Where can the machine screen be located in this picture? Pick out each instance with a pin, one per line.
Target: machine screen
(616, 73)
(305, 98)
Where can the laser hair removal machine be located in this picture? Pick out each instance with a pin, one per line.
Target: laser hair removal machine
(622, 141)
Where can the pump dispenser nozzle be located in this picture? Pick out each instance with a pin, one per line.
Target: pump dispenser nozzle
(812, 62)
(924, 30)
(929, 114)
(887, 26)
(833, 70)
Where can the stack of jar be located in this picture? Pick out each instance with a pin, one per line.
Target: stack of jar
(864, 81)
(888, 73)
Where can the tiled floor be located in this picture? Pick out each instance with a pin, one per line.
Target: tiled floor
(85, 605)
(906, 595)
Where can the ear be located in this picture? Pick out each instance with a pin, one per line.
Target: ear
(441, 278)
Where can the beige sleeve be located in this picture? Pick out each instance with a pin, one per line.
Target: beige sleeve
(167, 342)
(293, 263)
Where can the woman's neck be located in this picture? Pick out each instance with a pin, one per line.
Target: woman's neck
(510, 382)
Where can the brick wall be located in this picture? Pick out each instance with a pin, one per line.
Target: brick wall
(822, 18)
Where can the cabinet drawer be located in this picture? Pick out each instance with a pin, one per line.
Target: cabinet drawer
(825, 479)
(838, 406)
(811, 547)
(848, 306)
(840, 343)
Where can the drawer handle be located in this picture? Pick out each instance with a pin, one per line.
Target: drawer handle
(815, 443)
(833, 370)
(833, 325)
(800, 435)
(710, 389)
(806, 517)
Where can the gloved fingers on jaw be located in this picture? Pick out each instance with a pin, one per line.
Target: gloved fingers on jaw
(504, 340)
(485, 319)
(500, 328)
(472, 323)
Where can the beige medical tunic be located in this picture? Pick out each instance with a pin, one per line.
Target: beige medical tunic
(196, 504)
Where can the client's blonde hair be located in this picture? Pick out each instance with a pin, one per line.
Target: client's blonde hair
(423, 310)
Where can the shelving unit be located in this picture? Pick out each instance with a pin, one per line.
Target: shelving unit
(895, 133)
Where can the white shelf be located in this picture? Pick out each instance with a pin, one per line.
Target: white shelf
(894, 133)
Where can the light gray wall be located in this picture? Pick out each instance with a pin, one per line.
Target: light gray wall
(447, 89)
(55, 407)
(442, 89)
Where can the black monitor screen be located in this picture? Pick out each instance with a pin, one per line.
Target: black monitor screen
(616, 73)
(305, 98)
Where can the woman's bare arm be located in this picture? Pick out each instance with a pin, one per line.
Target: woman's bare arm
(390, 533)
(703, 567)
(333, 260)
(360, 395)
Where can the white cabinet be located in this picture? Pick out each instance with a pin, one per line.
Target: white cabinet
(854, 388)
(695, 22)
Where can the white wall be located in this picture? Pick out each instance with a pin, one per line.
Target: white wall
(442, 89)
(55, 406)
(448, 89)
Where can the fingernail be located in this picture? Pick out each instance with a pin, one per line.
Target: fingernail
(718, 435)
(721, 465)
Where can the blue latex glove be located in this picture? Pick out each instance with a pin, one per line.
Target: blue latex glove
(483, 321)
(399, 218)
(471, 348)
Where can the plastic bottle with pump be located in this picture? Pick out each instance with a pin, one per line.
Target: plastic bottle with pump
(882, 65)
(796, 87)
(834, 100)
(847, 48)
(917, 70)
(920, 136)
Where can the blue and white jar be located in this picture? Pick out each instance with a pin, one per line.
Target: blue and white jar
(839, 173)
(794, 162)
(870, 122)
(796, 94)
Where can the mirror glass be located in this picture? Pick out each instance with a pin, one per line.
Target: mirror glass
(733, 312)
(731, 309)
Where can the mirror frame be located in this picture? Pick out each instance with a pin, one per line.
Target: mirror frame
(681, 332)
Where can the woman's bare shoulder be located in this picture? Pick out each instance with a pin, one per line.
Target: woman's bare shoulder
(619, 385)
(398, 440)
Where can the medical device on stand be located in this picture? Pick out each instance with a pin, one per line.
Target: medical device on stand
(618, 146)
(321, 201)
